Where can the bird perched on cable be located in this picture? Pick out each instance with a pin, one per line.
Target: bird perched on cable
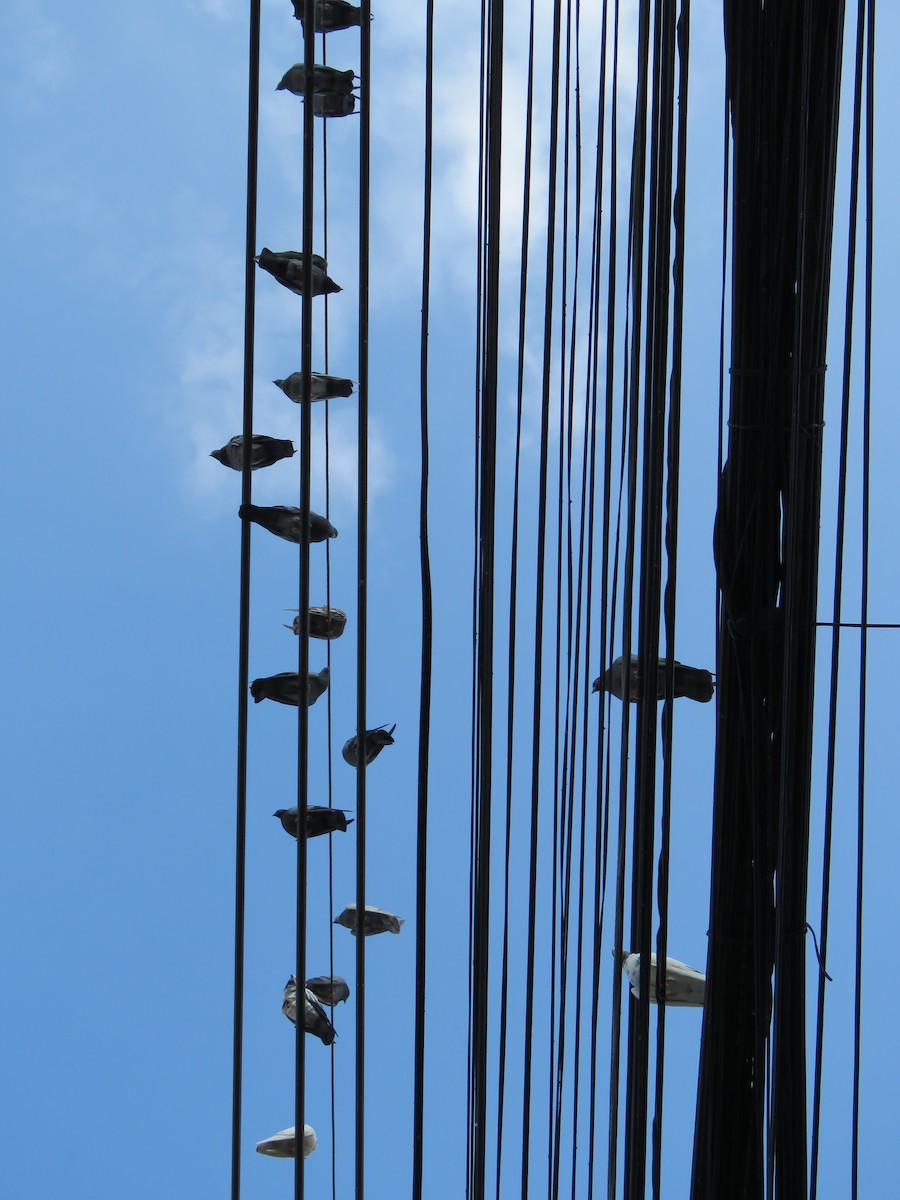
(329, 989)
(265, 451)
(324, 622)
(284, 1143)
(325, 79)
(375, 920)
(683, 986)
(333, 104)
(314, 1019)
(284, 688)
(321, 387)
(287, 267)
(692, 682)
(284, 521)
(374, 742)
(331, 15)
(319, 820)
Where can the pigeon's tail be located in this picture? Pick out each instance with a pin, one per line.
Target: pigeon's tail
(694, 683)
(257, 691)
(400, 921)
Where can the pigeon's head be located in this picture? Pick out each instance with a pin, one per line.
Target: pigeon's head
(219, 455)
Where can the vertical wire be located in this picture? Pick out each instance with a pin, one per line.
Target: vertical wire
(240, 854)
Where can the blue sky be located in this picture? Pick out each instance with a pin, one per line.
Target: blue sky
(123, 210)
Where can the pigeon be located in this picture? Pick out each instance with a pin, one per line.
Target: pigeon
(284, 1143)
(287, 268)
(319, 820)
(321, 387)
(314, 1019)
(333, 104)
(375, 741)
(284, 688)
(684, 987)
(284, 521)
(325, 79)
(331, 15)
(328, 989)
(375, 920)
(324, 622)
(692, 682)
(265, 452)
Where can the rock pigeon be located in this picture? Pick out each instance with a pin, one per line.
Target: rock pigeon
(284, 1143)
(284, 688)
(266, 450)
(375, 741)
(333, 104)
(314, 1019)
(692, 682)
(329, 989)
(331, 15)
(375, 920)
(684, 987)
(324, 622)
(319, 820)
(321, 387)
(287, 267)
(284, 521)
(325, 79)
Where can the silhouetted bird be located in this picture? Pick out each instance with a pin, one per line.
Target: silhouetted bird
(284, 1143)
(314, 1019)
(333, 104)
(375, 920)
(284, 521)
(284, 688)
(331, 15)
(287, 267)
(266, 450)
(321, 387)
(692, 682)
(325, 79)
(330, 989)
(375, 741)
(324, 622)
(684, 987)
(319, 820)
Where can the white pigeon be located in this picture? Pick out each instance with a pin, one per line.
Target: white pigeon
(684, 987)
(284, 1144)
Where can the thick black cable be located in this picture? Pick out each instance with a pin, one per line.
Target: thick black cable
(240, 849)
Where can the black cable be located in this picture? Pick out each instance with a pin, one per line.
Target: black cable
(240, 850)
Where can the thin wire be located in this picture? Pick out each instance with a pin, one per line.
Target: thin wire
(240, 850)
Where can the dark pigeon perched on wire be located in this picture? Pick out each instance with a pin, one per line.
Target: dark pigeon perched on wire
(321, 387)
(331, 15)
(324, 622)
(333, 104)
(374, 742)
(284, 688)
(328, 80)
(314, 1019)
(692, 682)
(287, 267)
(683, 987)
(329, 989)
(265, 451)
(375, 920)
(319, 820)
(284, 521)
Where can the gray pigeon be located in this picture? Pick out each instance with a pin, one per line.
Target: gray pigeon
(284, 688)
(287, 267)
(692, 682)
(331, 15)
(375, 920)
(284, 521)
(333, 104)
(375, 741)
(284, 1143)
(319, 820)
(683, 987)
(324, 622)
(314, 1019)
(329, 989)
(321, 387)
(265, 452)
(325, 79)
